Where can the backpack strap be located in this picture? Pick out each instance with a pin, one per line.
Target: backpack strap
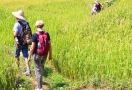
(20, 23)
(45, 32)
(39, 33)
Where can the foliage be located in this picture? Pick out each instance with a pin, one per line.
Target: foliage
(96, 49)
(8, 72)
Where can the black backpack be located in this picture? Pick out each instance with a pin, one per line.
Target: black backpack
(26, 35)
(98, 7)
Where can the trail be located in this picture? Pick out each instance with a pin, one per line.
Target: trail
(34, 82)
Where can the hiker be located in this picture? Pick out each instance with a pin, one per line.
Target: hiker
(40, 40)
(18, 46)
(97, 8)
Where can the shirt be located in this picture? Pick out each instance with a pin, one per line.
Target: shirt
(18, 28)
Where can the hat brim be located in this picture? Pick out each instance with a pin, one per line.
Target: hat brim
(18, 16)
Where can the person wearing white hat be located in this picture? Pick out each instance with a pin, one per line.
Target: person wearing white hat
(18, 46)
(39, 60)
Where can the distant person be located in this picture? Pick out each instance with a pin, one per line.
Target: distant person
(40, 49)
(97, 8)
(18, 46)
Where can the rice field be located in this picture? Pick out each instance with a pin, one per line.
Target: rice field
(93, 50)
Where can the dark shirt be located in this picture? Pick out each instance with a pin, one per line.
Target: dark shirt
(35, 39)
(98, 7)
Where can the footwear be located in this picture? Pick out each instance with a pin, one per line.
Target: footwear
(39, 89)
(27, 73)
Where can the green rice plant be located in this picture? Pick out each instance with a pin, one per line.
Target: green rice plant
(8, 72)
(96, 49)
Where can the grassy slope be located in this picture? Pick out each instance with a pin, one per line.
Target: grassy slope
(109, 45)
(97, 47)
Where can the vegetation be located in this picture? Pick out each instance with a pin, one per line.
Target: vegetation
(90, 51)
(8, 73)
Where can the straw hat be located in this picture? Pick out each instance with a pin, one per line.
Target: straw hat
(19, 14)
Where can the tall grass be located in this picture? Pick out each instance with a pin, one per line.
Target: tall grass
(95, 50)
(8, 71)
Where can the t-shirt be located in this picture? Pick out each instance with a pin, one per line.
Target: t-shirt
(35, 39)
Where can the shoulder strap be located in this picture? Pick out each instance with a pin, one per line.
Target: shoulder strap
(99, 4)
(20, 23)
(39, 33)
(45, 32)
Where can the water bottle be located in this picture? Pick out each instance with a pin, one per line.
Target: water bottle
(16, 40)
(39, 45)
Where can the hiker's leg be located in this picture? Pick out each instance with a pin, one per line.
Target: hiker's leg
(38, 69)
(93, 11)
(17, 54)
(27, 61)
(43, 63)
(27, 64)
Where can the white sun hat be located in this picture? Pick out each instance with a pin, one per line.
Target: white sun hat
(19, 14)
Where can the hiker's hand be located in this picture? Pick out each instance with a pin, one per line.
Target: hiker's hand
(16, 45)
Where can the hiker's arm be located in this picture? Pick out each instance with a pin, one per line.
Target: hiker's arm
(15, 34)
(15, 38)
(50, 51)
(16, 29)
(102, 6)
(32, 49)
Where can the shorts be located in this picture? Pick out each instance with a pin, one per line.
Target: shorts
(20, 48)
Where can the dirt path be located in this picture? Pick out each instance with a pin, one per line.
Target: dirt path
(34, 82)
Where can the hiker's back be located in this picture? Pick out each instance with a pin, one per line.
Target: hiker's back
(98, 6)
(25, 34)
(42, 47)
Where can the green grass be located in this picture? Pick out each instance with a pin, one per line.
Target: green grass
(95, 51)
(8, 72)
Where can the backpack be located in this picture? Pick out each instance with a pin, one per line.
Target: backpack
(26, 36)
(43, 44)
(98, 7)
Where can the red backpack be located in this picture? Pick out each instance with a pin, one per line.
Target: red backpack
(43, 44)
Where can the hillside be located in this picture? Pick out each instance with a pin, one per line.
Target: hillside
(93, 51)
